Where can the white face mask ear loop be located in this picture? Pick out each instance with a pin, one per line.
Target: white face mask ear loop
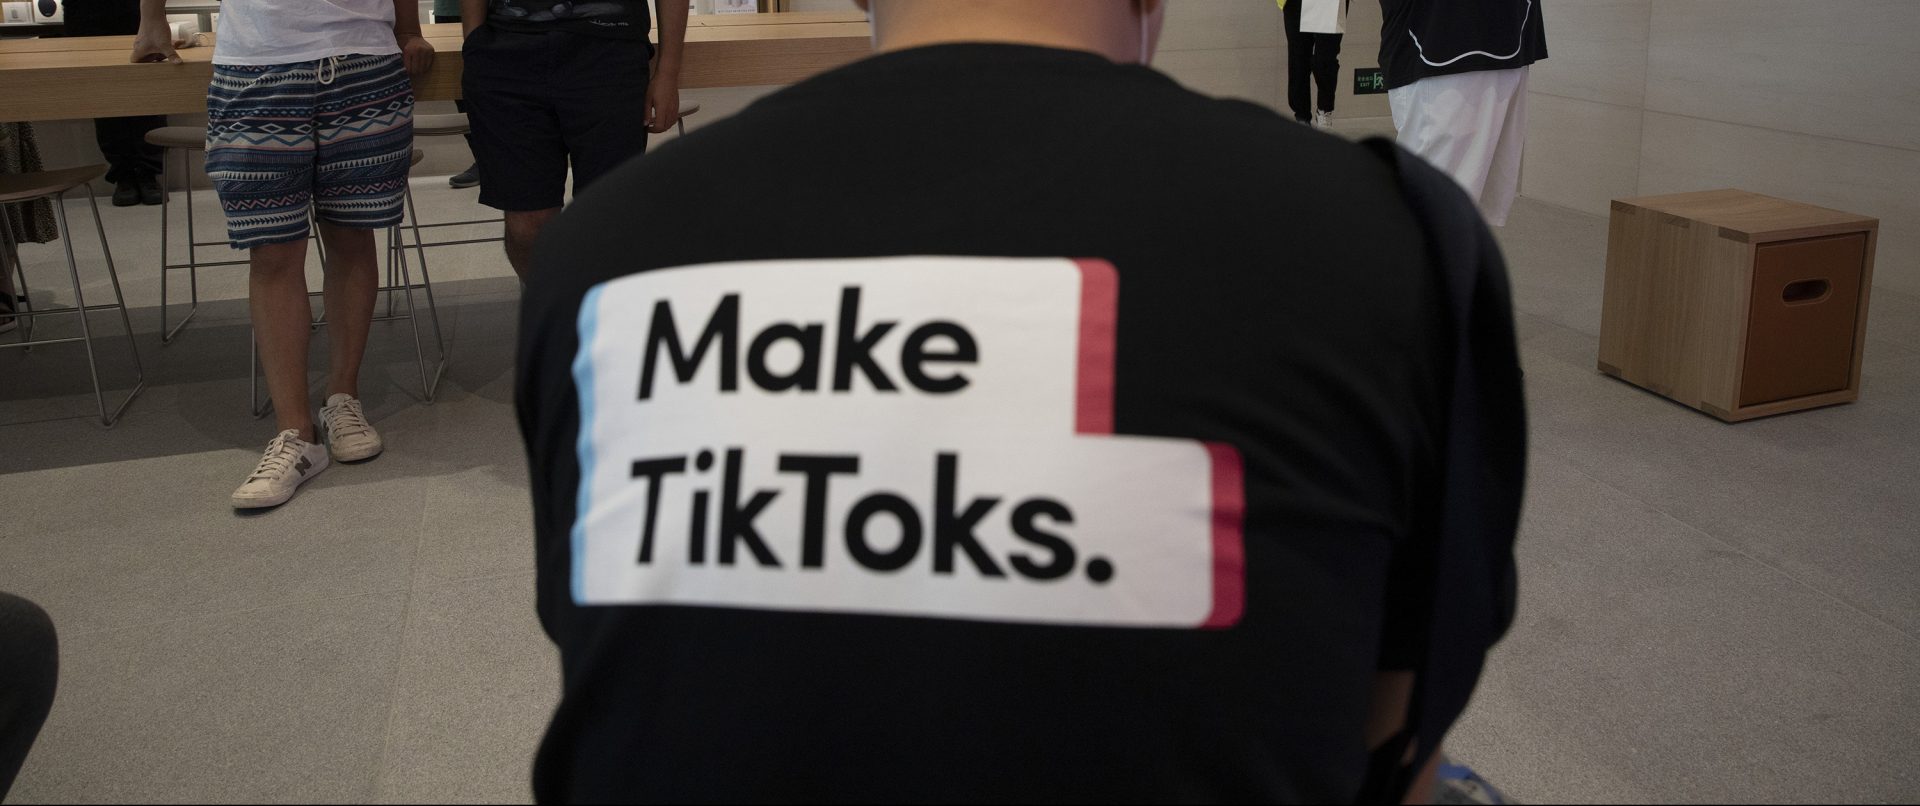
(1146, 58)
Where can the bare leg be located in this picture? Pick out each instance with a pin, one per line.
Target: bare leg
(282, 320)
(353, 275)
(523, 228)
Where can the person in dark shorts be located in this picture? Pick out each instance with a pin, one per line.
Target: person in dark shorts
(448, 11)
(1036, 451)
(134, 163)
(553, 84)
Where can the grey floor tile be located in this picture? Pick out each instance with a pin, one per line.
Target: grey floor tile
(1652, 664)
(1893, 318)
(111, 546)
(478, 524)
(286, 704)
(1793, 491)
(1557, 261)
(478, 682)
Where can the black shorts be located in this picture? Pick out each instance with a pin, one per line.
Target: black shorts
(539, 100)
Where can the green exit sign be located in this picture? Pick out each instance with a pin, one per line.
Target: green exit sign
(1369, 81)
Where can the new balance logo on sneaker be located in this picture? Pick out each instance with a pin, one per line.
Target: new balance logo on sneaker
(288, 462)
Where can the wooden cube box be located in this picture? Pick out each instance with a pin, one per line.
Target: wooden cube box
(1737, 304)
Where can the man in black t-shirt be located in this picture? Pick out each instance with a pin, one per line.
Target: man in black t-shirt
(553, 84)
(1028, 448)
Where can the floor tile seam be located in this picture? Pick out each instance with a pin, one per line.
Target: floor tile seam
(423, 586)
(46, 420)
(1597, 218)
(1555, 322)
(141, 625)
(382, 765)
(1744, 553)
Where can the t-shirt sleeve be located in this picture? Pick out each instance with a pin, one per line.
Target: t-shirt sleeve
(1451, 586)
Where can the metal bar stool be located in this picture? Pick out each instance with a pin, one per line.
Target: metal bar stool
(185, 140)
(400, 273)
(54, 186)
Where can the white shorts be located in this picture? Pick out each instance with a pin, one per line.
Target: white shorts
(1473, 126)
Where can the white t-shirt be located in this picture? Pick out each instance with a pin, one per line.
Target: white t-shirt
(264, 32)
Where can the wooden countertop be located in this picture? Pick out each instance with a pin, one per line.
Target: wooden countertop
(87, 77)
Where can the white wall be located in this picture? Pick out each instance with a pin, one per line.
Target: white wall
(1812, 100)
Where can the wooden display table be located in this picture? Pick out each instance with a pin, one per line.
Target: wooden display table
(90, 77)
(1737, 304)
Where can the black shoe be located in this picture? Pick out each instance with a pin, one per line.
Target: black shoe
(10, 304)
(150, 192)
(126, 194)
(467, 178)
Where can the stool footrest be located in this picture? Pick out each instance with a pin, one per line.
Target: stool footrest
(179, 266)
(432, 244)
(474, 223)
(42, 342)
(67, 310)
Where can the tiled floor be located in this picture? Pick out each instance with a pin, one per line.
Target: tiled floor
(1711, 612)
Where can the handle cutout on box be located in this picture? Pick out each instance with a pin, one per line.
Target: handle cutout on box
(1803, 292)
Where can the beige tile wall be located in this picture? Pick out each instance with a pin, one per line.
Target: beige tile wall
(1683, 153)
(1581, 154)
(1809, 100)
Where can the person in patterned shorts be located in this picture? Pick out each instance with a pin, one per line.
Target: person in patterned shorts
(309, 118)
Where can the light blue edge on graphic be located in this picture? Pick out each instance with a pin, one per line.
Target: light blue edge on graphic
(589, 325)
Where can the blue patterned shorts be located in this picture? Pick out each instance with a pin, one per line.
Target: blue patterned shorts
(334, 135)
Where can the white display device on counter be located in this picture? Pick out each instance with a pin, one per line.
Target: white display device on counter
(48, 12)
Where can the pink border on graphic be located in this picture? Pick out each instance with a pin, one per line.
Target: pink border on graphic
(1229, 544)
(1099, 322)
(1093, 414)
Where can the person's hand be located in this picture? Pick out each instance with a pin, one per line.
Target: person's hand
(663, 105)
(155, 45)
(417, 54)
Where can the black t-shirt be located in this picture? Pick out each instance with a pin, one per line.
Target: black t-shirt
(1423, 38)
(1108, 500)
(619, 19)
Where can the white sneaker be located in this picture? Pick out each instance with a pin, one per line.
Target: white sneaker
(288, 463)
(1323, 120)
(348, 434)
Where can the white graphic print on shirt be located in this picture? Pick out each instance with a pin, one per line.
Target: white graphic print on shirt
(907, 436)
